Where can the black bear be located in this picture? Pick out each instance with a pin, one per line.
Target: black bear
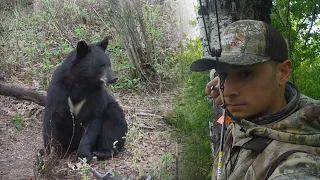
(80, 114)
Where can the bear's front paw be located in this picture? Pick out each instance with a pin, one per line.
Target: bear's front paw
(85, 153)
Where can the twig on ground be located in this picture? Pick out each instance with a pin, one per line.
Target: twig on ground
(3, 51)
(130, 108)
(144, 126)
(177, 160)
(95, 173)
(149, 114)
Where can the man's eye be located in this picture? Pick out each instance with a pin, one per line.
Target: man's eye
(245, 73)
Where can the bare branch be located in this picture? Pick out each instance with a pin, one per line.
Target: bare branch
(177, 161)
(300, 25)
(59, 29)
(311, 25)
(94, 10)
(280, 17)
(288, 12)
(288, 28)
(149, 114)
(95, 173)
(3, 51)
(144, 126)
(111, 174)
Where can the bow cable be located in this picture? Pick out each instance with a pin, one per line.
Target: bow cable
(217, 53)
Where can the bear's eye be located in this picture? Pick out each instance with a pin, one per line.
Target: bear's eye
(103, 65)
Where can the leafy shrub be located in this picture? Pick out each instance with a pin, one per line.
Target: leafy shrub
(300, 27)
(18, 121)
(191, 115)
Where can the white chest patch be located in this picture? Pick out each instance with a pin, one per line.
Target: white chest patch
(75, 108)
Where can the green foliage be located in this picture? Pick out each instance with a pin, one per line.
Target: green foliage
(150, 18)
(165, 171)
(18, 121)
(123, 67)
(40, 40)
(193, 22)
(300, 24)
(136, 25)
(127, 83)
(117, 53)
(81, 32)
(129, 77)
(84, 170)
(191, 115)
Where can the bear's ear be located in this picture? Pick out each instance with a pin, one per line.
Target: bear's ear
(82, 49)
(104, 43)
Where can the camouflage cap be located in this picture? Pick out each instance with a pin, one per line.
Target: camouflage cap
(246, 42)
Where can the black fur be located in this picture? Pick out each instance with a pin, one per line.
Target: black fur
(100, 124)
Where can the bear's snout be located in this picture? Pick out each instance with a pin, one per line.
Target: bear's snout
(111, 76)
(113, 80)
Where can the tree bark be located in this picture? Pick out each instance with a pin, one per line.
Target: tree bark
(228, 12)
(23, 93)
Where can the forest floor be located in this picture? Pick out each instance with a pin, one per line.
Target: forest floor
(149, 139)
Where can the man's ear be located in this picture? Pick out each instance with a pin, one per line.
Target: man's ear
(284, 70)
(82, 49)
(104, 43)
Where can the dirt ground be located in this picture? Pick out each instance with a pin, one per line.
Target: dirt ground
(148, 139)
(18, 148)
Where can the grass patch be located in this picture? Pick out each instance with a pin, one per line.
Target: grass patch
(191, 115)
(18, 121)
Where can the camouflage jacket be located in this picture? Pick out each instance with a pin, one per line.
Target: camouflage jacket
(283, 145)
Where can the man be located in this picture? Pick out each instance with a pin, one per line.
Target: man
(275, 130)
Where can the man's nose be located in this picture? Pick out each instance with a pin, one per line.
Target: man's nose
(231, 87)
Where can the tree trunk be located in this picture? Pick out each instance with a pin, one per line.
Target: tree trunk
(228, 11)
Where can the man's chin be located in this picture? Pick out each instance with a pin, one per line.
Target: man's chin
(239, 115)
(240, 112)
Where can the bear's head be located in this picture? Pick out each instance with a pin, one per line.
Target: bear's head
(90, 64)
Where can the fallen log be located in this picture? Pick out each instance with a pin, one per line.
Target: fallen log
(23, 93)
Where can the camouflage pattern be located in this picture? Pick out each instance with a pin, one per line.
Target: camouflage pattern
(246, 42)
(296, 131)
(298, 166)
